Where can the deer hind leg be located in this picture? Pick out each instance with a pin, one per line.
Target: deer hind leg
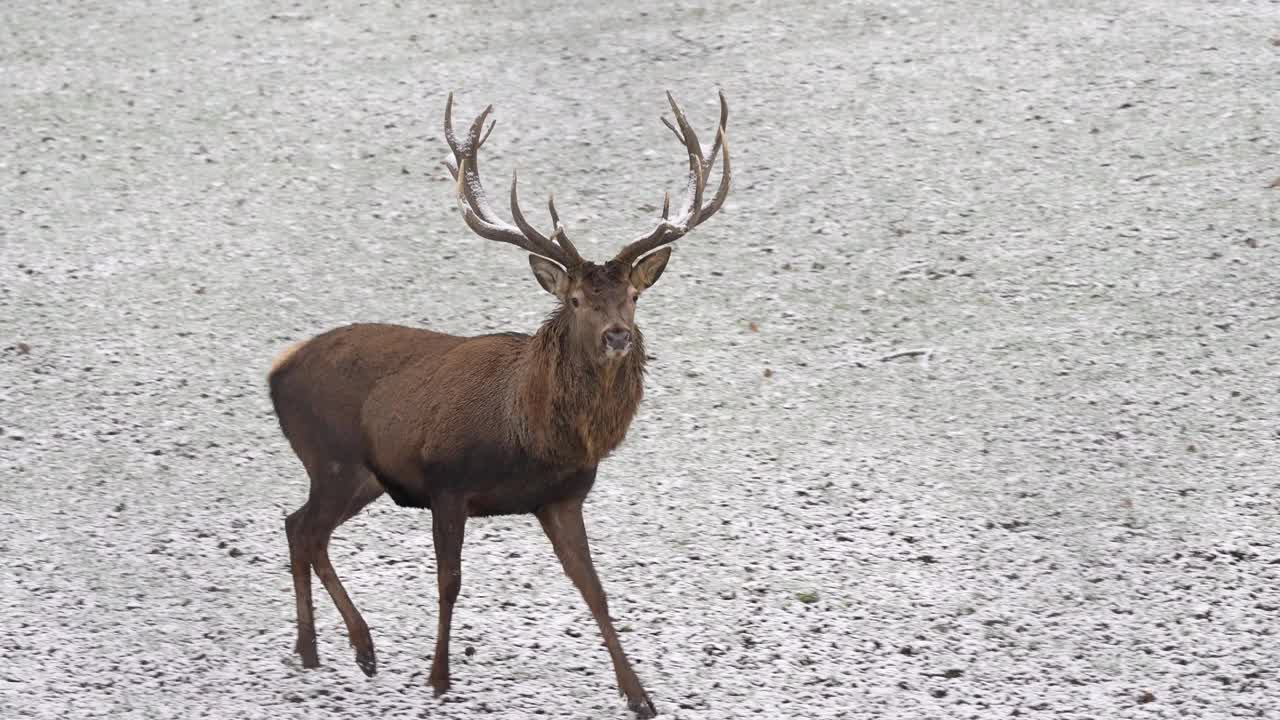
(563, 524)
(334, 500)
(300, 567)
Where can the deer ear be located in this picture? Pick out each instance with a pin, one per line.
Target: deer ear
(550, 276)
(647, 271)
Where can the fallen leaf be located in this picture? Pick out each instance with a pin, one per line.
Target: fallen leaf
(768, 372)
(754, 327)
(23, 348)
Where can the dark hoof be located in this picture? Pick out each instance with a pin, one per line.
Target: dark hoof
(643, 708)
(306, 648)
(440, 687)
(367, 661)
(438, 678)
(310, 661)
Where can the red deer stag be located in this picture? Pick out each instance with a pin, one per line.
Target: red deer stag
(498, 424)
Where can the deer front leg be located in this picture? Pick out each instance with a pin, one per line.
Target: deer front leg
(563, 524)
(448, 525)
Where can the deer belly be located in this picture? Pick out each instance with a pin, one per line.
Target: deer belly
(526, 495)
(498, 482)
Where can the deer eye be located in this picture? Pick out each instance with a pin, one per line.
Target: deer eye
(574, 300)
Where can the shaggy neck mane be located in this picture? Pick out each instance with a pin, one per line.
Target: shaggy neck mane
(572, 409)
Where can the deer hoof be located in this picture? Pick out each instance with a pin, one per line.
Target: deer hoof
(310, 659)
(643, 708)
(367, 661)
(440, 685)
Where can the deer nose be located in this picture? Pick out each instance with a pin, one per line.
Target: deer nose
(617, 338)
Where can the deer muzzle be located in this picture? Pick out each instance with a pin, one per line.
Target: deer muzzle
(617, 341)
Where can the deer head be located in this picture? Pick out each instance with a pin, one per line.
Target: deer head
(600, 297)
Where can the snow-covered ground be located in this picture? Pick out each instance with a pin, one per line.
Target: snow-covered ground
(1070, 511)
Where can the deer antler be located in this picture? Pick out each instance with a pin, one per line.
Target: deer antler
(464, 166)
(693, 212)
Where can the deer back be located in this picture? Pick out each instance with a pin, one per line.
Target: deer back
(321, 385)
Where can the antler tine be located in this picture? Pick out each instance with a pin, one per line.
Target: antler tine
(569, 252)
(474, 140)
(673, 129)
(529, 231)
(487, 133)
(551, 208)
(451, 163)
(558, 233)
(693, 211)
(720, 131)
(448, 127)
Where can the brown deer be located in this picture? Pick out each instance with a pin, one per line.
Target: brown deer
(498, 424)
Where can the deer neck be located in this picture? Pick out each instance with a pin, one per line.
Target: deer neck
(574, 409)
